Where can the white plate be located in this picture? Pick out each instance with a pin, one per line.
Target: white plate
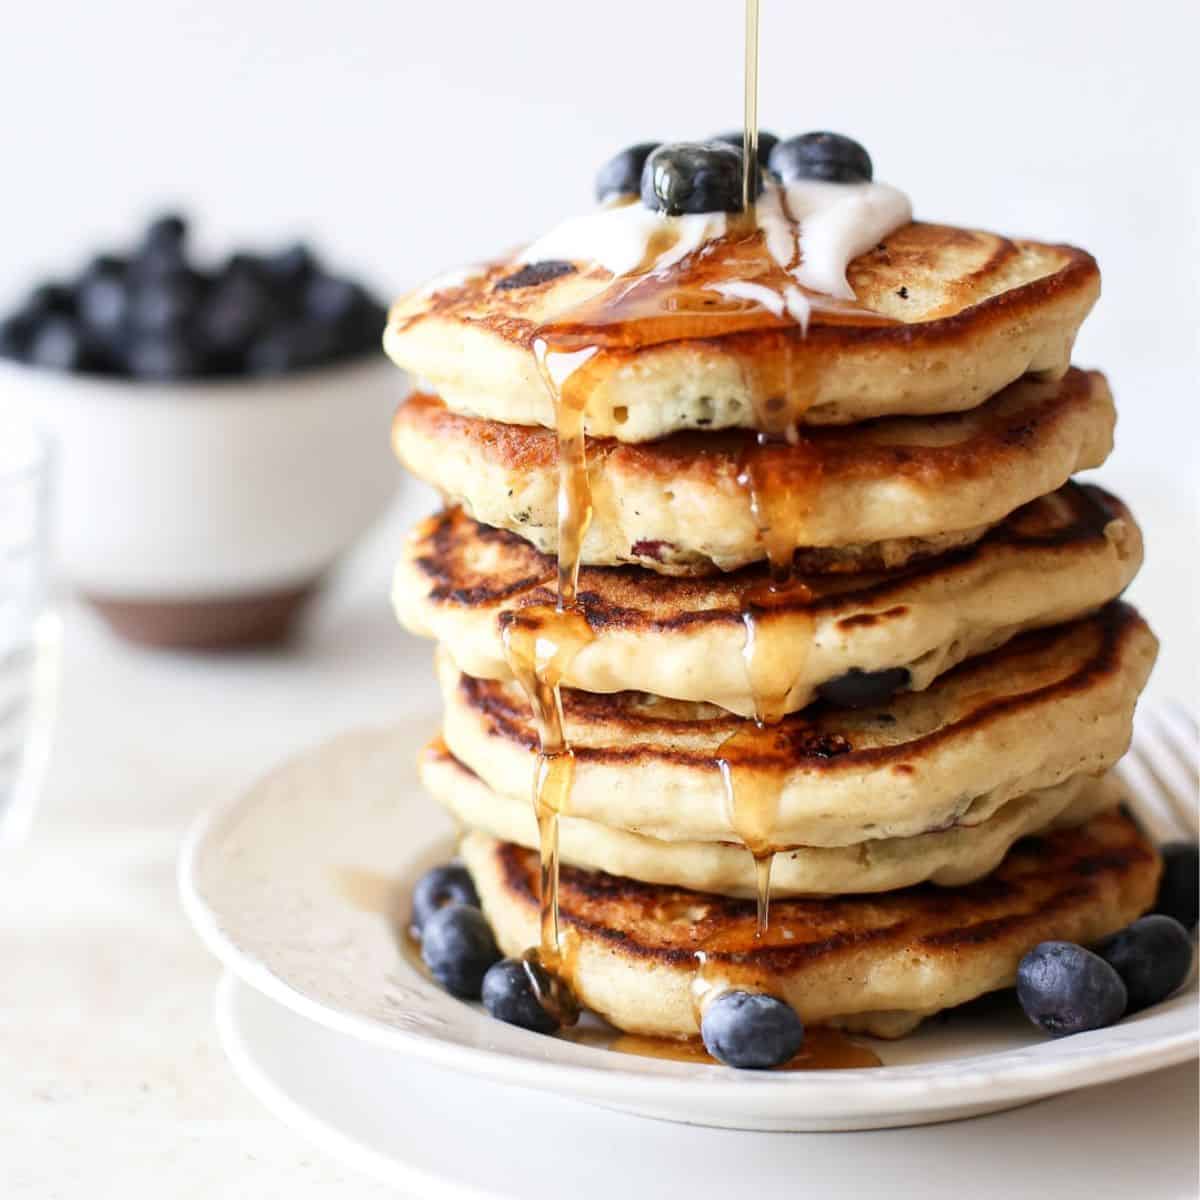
(406, 1124)
(274, 882)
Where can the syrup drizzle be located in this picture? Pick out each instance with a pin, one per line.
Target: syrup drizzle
(725, 286)
(750, 114)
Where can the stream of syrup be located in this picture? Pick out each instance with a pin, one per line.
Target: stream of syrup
(688, 299)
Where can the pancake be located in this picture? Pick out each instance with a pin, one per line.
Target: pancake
(969, 313)
(864, 497)
(1049, 705)
(875, 964)
(1052, 560)
(948, 857)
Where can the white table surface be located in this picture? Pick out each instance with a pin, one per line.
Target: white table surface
(111, 1080)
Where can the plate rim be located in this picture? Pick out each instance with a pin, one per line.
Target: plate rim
(340, 1146)
(912, 1086)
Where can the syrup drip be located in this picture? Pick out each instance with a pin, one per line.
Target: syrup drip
(551, 987)
(539, 643)
(729, 285)
(752, 794)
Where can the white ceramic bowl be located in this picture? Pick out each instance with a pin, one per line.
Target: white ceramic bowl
(189, 506)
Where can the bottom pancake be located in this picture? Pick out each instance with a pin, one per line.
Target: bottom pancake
(949, 857)
(871, 964)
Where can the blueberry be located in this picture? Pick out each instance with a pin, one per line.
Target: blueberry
(293, 347)
(864, 689)
(364, 331)
(1177, 892)
(50, 299)
(512, 992)
(237, 309)
(332, 300)
(16, 332)
(1152, 956)
(1066, 989)
(449, 884)
(166, 229)
(693, 177)
(163, 356)
(458, 947)
(828, 156)
(766, 143)
(163, 244)
(751, 1030)
(166, 302)
(533, 275)
(622, 174)
(102, 297)
(57, 342)
(291, 268)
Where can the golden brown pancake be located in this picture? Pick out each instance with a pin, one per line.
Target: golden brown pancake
(1052, 560)
(969, 312)
(876, 964)
(863, 497)
(1048, 705)
(948, 857)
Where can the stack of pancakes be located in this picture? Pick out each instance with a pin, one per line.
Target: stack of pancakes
(940, 685)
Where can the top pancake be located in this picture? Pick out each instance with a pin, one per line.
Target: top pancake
(968, 312)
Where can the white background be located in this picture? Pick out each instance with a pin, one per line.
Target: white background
(407, 138)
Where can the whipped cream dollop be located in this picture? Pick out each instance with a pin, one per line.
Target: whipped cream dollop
(619, 237)
(813, 229)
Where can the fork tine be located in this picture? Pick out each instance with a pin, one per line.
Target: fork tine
(1179, 727)
(1176, 798)
(1167, 736)
(1142, 797)
(1184, 715)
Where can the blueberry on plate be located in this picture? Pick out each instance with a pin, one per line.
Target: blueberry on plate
(622, 174)
(1066, 989)
(766, 143)
(1152, 956)
(442, 886)
(864, 689)
(694, 177)
(828, 156)
(513, 992)
(1177, 892)
(458, 948)
(751, 1030)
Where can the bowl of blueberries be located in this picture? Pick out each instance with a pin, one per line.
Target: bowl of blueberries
(221, 432)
